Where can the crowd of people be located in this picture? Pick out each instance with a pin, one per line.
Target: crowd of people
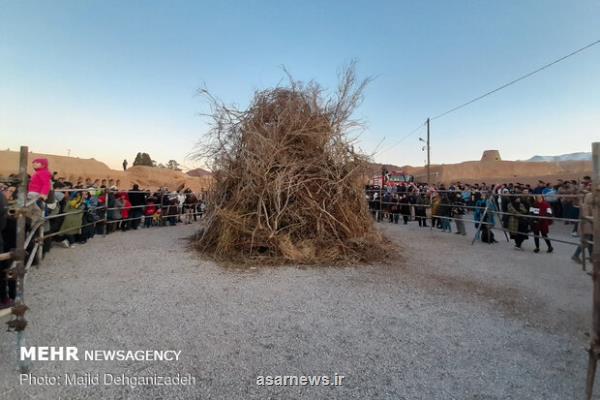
(521, 210)
(73, 213)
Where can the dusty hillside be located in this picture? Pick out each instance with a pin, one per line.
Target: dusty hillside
(503, 171)
(199, 172)
(74, 169)
(493, 171)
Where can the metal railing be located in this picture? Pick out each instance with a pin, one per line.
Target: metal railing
(420, 200)
(30, 240)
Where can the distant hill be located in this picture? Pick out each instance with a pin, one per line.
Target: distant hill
(199, 172)
(78, 169)
(581, 156)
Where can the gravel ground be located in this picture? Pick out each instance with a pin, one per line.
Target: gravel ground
(446, 320)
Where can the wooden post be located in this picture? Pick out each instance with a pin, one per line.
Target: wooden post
(20, 253)
(594, 351)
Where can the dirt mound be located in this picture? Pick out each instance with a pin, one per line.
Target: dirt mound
(288, 183)
(199, 172)
(78, 169)
(156, 177)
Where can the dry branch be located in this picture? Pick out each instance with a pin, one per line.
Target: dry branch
(287, 179)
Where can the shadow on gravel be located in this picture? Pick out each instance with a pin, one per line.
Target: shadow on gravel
(512, 302)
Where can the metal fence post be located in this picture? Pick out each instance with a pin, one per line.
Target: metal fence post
(594, 351)
(40, 239)
(582, 239)
(105, 230)
(430, 209)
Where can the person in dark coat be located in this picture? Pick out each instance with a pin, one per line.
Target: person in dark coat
(387, 205)
(458, 211)
(420, 210)
(138, 201)
(445, 213)
(8, 238)
(518, 223)
(405, 208)
(541, 211)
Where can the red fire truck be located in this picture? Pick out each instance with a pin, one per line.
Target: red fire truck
(392, 179)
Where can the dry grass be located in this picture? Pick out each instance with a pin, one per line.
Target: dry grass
(287, 179)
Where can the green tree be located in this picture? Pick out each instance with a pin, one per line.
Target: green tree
(172, 164)
(146, 160)
(138, 159)
(143, 159)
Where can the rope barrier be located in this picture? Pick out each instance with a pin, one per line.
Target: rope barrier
(474, 193)
(490, 226)
(479, 208)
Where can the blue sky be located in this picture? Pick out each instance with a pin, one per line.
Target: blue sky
(107, 79)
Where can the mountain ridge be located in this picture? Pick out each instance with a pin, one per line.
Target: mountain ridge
(579, 156)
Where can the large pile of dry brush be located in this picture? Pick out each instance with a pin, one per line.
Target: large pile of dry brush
(288, 183)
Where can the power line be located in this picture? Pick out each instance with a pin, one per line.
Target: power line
(516, 80)
(378, 144)
(401, 139)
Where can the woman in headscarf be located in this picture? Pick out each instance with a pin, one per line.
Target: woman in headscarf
(541, 211)
(71, 226)
(420, 210)
(125, 211)
(518, 224)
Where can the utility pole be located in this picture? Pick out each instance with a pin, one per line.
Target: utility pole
(428, 157)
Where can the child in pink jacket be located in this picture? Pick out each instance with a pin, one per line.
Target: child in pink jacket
(41, 181)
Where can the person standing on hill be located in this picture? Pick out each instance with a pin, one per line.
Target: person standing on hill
(125, 165)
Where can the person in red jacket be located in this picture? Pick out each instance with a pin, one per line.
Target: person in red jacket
(41, 181)
(125, 212)
(149, 212)
(541, 225)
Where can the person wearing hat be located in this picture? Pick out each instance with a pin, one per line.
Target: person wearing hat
(586, 228)
(71, 225)
(138, 200)
(539, 188)
(541, 212)
(41, 180)
(40, 185)
(52, 223)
